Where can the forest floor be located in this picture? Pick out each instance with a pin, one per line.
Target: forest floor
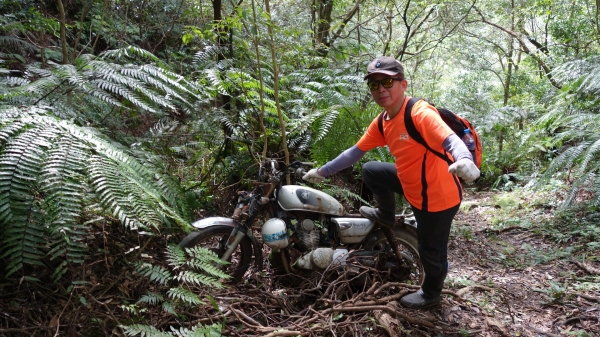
(509, 276)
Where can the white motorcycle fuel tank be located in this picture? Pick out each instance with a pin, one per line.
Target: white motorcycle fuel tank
(302, 198)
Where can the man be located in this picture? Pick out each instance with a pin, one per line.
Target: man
(431, 186)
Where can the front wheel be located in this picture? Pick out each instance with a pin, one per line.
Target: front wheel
(410, 269)
(215, 238)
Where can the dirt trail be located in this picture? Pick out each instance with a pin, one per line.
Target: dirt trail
(509, 289)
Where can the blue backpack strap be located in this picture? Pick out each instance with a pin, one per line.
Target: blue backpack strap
(414, 133)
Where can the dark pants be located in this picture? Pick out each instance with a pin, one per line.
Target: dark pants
(433, 228)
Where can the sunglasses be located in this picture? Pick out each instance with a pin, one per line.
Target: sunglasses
(386, 82)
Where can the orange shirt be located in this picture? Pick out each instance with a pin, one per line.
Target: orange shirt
(424, 176)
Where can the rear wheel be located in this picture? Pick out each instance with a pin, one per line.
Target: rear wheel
(215, 238)
(410, 269)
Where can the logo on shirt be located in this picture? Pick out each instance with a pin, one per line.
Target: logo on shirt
(403, 136)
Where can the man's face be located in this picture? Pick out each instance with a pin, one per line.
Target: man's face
(388, 97)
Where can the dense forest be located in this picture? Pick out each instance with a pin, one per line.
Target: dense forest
(122, 122)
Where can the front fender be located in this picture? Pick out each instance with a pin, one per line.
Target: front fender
(214, 221)
(223, 221)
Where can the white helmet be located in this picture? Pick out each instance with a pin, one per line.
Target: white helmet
(274, 233)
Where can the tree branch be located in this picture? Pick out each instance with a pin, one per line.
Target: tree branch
(519, 38)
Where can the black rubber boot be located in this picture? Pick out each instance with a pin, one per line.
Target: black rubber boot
(385, 213)
(419, 300)
(429, 297)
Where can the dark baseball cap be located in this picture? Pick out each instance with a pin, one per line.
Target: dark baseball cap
(385, 65)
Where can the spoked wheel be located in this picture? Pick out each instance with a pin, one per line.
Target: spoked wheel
(215, 238)
(410, 269)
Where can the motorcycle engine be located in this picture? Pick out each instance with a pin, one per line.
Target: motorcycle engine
(308, 234)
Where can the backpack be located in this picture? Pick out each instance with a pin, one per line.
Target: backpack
(456, 123)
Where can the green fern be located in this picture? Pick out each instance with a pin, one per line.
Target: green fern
(184, 295)
(155, 273)
(573, 125)
(146, 87)
(144, 331)
(194, 278)
(151, 298)
(176, 256)
(198, 330)
(50, 170)
(344, 193)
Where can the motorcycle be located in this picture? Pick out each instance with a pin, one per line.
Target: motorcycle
(306, 230)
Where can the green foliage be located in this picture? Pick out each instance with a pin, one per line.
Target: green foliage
(573, 126)
(194, 269)
(198, 330)
(94, 82)
(52, 171)
(343, 129)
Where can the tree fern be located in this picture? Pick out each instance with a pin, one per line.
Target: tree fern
(148, 88)
(20, 213)
(573, 124)
(50, 170)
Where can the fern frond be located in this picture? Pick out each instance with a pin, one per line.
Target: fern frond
(45, 167)
(184, 295)
(65, 192)
(199, 330)
(176, 256)
(155, 273)
(130, 52)
(144, 331)
(198, 279)
(21, 219)
(151, 298)
(18, 43)
(205, 260)
(169, 307)
(344, 194)
(208, 56)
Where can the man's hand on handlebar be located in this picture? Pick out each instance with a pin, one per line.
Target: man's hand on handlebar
(313, 176)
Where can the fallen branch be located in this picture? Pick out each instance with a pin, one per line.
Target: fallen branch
(588, 297)
(389, 324)
(249, 321)
(285, 333)
(465, 290)
(587, 268)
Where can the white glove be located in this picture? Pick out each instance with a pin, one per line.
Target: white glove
(466, 169)
(313, 176)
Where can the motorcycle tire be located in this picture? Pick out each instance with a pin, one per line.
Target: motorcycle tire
(214, 238)
(407, 238)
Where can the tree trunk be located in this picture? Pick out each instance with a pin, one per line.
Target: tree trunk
(86, 8)
(261, 115)
(276, 88)
(63, 31)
